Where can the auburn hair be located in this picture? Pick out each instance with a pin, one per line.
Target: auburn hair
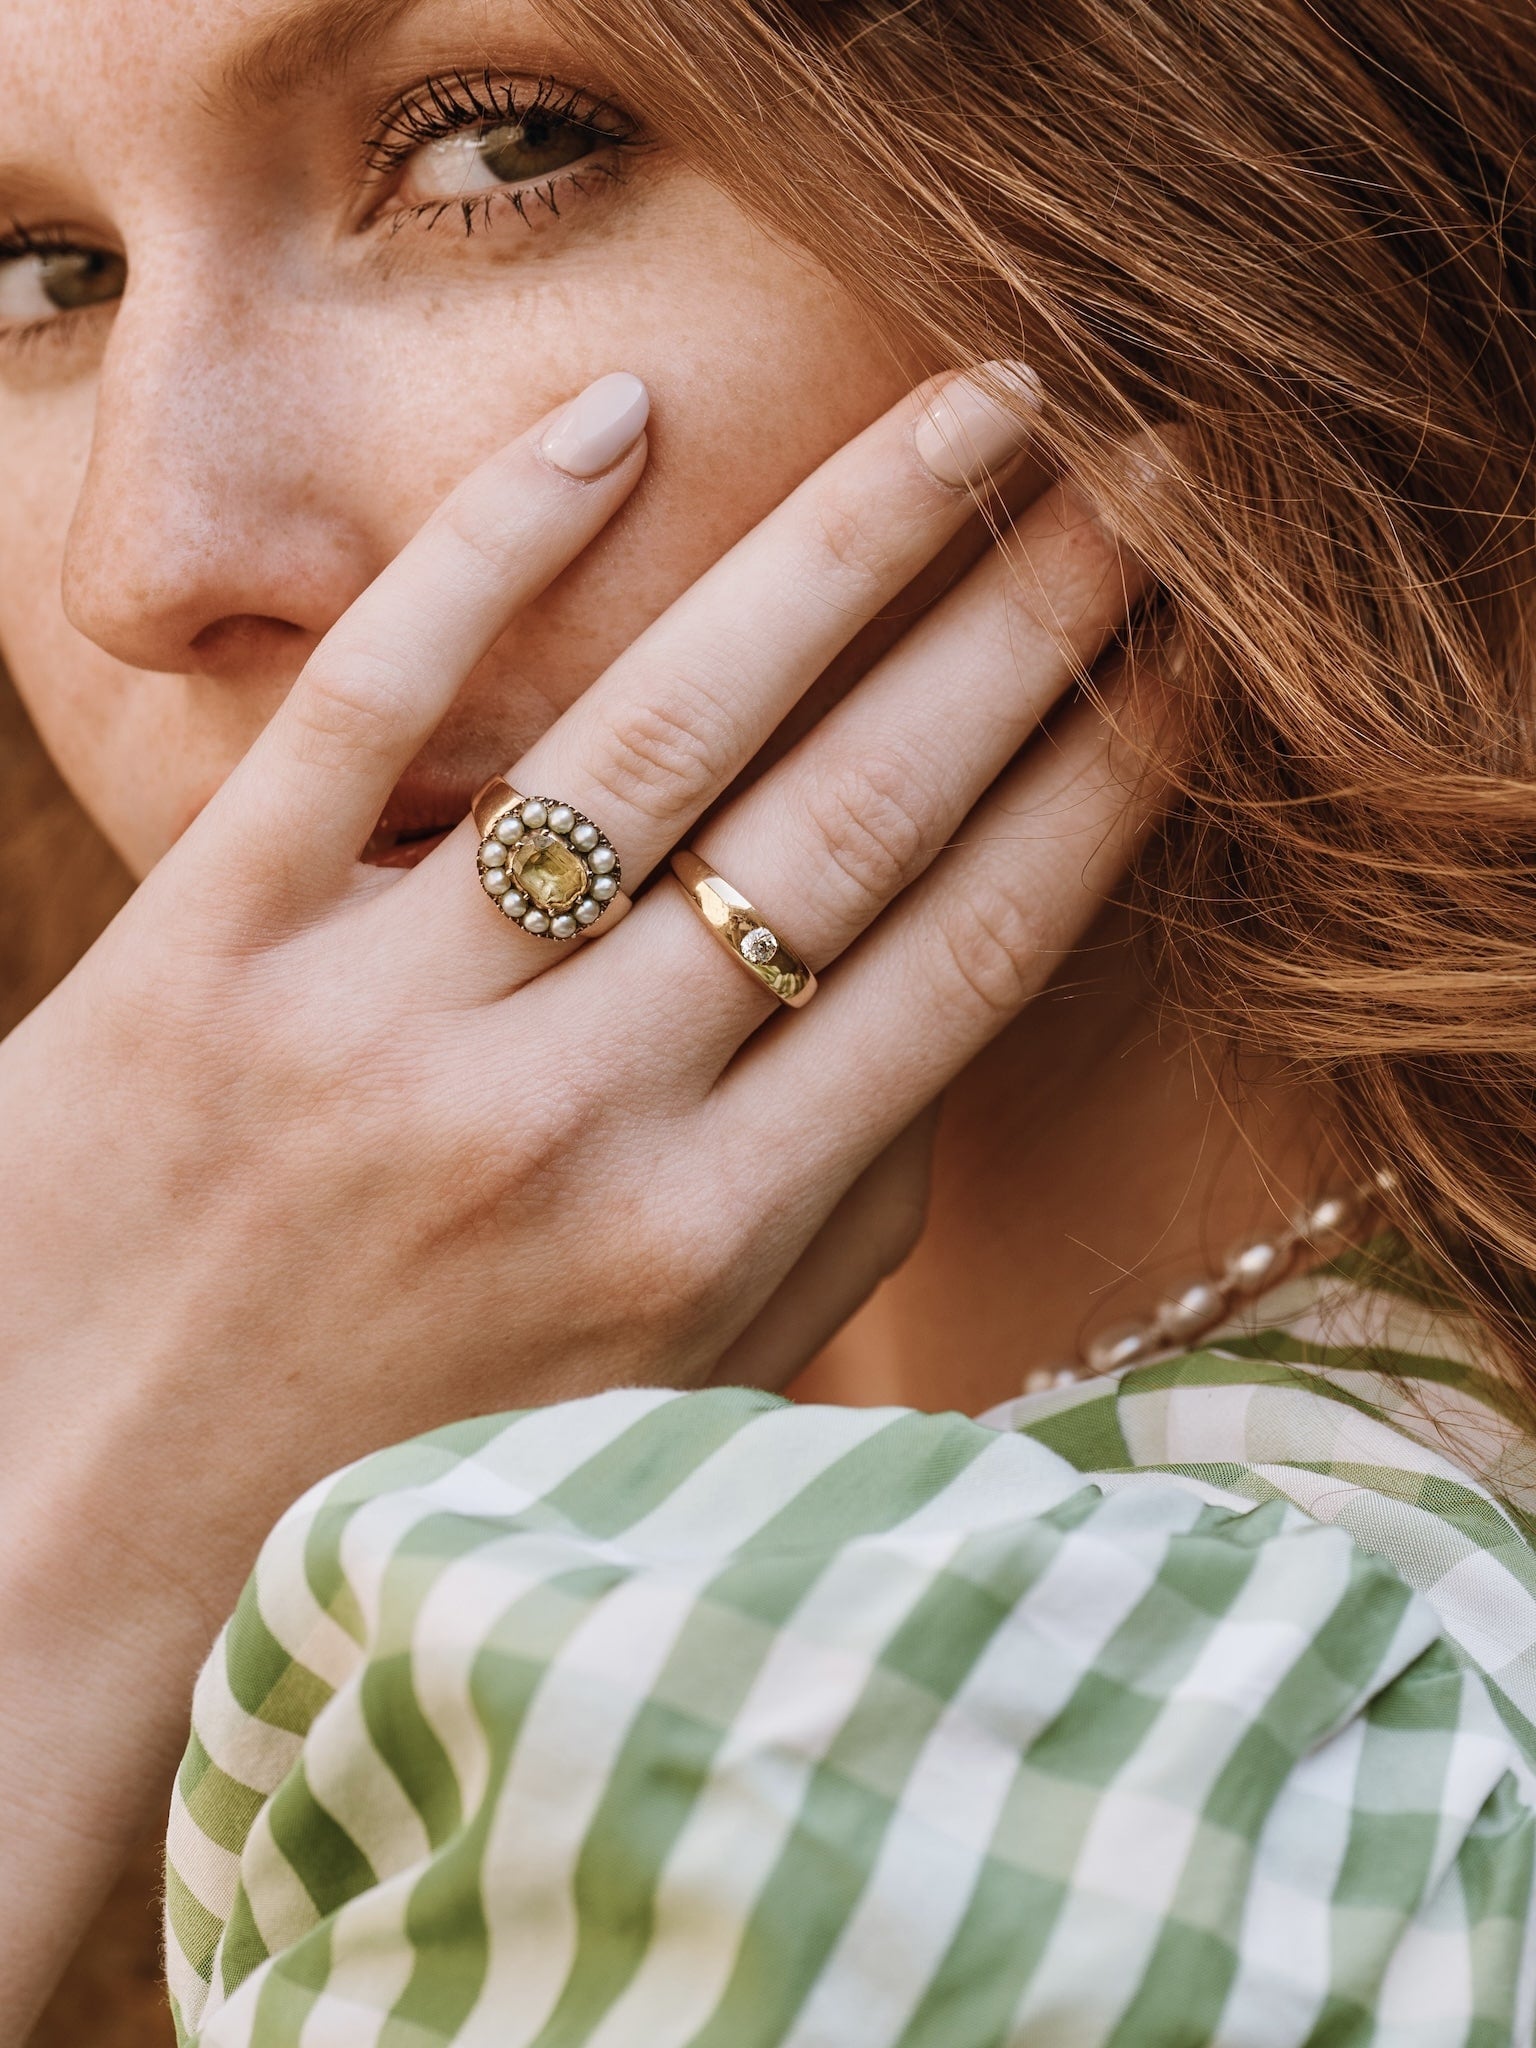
(1305, 230)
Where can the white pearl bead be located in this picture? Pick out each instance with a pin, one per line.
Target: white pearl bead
(497, 881)
(536, 921)
(1253, 1265)
(588, 912)
(513, 904)
(1122, 1345)
(602, 860)
(561, 818)
(493, 854)
(584, 837)
(563, 927)
(535, 813)
(1192, 1310)
(509, 828)
(604, 889)
(1322, 1227)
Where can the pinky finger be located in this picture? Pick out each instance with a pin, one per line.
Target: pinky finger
(862, 1242)
(971, 945)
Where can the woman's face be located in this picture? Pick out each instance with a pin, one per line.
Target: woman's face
(364, 243)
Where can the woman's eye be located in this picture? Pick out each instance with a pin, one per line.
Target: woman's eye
(521, 152)
(39, 284)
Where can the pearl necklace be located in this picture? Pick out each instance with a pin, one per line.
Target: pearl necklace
(1319, 1232)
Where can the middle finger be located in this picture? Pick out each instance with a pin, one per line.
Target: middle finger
(676, 718)
(858, 810)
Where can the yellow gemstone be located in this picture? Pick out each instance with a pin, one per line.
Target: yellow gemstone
(548, 872)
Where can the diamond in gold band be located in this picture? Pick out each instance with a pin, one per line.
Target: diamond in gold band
(547, 869)
(744, 933)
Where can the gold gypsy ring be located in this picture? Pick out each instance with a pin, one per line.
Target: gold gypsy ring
(742, 932)
(548, 870)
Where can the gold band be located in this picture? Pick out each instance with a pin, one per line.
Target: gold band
(548, 870)
(751, 943)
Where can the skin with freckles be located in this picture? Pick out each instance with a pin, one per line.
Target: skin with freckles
(202, 473)
(199, 476)
(198, 481)
(276, 282)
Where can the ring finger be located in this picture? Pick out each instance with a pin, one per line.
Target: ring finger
(863, 804)
(672, 723)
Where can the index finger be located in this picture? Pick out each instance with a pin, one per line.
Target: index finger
(311, 789)
(672, 723)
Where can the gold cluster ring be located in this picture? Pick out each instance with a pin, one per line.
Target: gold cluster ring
(549, 870)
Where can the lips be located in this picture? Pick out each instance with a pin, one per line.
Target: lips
(418, 817)
(403, 849)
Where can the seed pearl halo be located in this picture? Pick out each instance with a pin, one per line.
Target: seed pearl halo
(547, 868)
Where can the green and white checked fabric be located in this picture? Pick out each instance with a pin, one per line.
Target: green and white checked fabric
(1192, 1707)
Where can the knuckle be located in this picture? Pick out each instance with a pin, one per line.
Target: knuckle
(871, 830)
(991, 953)
(351, 702)
(658, 758)
(487, 541)
(675, 1285)
(849, 539)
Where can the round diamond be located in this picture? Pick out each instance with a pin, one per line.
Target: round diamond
(759, 946)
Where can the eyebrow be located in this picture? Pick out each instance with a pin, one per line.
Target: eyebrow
(305, 43)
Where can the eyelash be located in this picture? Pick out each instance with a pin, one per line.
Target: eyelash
(17, 241)
(441, 107)
(20, 241)
(456, 102)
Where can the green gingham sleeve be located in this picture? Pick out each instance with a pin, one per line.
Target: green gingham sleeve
(710, 1721)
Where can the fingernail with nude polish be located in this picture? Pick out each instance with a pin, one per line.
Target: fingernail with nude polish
(966, 435)
(599, 426)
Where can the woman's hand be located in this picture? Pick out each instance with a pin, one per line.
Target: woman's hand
(307, 1156)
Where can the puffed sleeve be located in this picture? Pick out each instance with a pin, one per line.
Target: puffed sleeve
(709, 1721)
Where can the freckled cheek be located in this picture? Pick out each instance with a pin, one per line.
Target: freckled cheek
(732, 437)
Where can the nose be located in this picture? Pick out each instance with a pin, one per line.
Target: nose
(215, 525)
